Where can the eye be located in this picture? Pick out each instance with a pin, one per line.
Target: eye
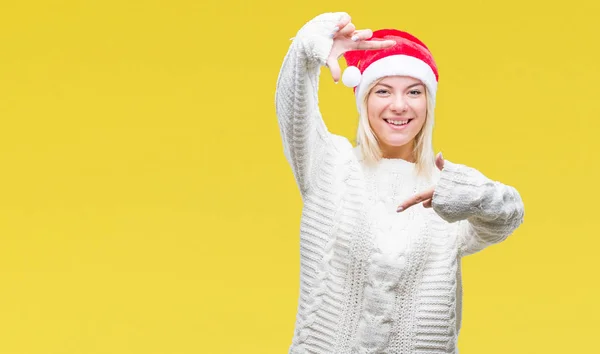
(381, 91)
(414, 92)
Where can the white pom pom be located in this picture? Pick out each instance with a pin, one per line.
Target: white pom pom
(351, 76)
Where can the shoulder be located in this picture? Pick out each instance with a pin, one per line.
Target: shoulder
(339, 147)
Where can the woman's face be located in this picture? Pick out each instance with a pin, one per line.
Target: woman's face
(397, 109)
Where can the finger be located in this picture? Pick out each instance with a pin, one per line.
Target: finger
(346, 31)
(427, 203)
(368, 45)
(344, 21)
(334, 68)
(439, 161)
(362, 35)
(418, 198)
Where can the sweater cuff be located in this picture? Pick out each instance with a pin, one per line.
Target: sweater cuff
(315, 36)
(457, 195)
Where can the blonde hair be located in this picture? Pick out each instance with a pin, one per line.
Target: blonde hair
(423, 149)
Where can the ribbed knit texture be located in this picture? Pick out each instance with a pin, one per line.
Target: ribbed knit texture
(373, 280)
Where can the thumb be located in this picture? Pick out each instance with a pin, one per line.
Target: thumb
(334, 68)
(439, 161)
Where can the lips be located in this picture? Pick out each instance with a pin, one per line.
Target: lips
(398, 126)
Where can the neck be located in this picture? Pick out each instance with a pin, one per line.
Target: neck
(404, 152)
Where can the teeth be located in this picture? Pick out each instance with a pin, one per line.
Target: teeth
(397, 122)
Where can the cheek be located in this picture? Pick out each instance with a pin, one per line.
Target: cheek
(421, 112)
(374, 123)
(421, 108)
(376, 106)
(373, 110)
(371, 106)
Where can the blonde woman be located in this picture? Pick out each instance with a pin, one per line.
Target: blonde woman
(384, 224)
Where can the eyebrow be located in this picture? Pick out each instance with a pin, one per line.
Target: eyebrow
(413, 85)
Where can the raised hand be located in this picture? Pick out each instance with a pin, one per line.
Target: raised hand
(426, 196)
(347, 38)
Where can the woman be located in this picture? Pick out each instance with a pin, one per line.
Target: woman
(384, 224)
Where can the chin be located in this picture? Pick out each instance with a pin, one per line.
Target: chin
(396, 143)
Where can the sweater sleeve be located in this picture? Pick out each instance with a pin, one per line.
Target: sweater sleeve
(303, 131)
(487, 211)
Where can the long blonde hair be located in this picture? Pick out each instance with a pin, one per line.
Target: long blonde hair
(423, 143)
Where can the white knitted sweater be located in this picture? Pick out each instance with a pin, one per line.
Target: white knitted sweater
(373, 280)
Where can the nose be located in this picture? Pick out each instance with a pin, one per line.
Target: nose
(398, 104)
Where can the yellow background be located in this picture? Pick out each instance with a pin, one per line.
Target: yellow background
(146, 205)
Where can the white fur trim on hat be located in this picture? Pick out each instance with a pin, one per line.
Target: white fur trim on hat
(351, 76)
(400, 65)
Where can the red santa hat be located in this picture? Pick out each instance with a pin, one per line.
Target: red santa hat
(408, 57)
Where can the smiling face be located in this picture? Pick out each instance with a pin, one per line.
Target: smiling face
(397, 110)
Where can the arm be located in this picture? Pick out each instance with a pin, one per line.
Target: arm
(303, 131)
(487, 211)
